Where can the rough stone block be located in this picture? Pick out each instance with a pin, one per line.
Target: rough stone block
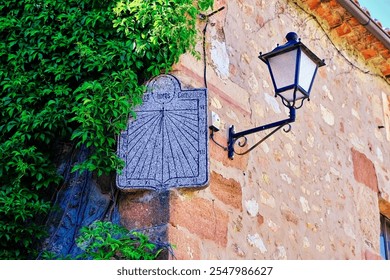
(201, 217)
(384, 207)
(364, 170)
(217, 153)
(369, 255)
(185, 246)
(385, 70)
(343, 29)
(313, 4)
(369, 53)
(288, 214)
(144, 209)
(226, 190)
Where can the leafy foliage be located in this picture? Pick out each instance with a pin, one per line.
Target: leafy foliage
(107, 241)
(73, 70)
(103, 240)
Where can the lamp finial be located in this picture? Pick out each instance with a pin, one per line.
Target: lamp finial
(292, 36)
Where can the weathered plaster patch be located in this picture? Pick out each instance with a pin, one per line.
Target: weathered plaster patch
(327, 92)
(220, 58)
(310, 140)
(253, 83)
(320, 248)
(304, 204)
(272, 102)
(379, 154)
(273, 226)
(216, 103)
(349, 231)
(286, 178)
(267, 199)
(252, 207)
(294, 168)
(280, 253)
(265, 147)
(355, 113)
(289, 150)
(327, 115)
(356, 142)
(232, 115)
(306, 242)
(255, 240)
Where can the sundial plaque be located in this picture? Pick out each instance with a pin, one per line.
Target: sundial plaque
(166, 145)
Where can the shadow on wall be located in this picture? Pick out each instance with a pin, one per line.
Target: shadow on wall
(149, 212)
(83, 199)
(79, 202)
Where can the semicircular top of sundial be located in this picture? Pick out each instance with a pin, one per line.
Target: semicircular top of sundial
(166, 145)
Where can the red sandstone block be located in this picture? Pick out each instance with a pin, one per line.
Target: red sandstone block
(313, 4)
(334, 20)
(323, 12)
(385, 53)
(260, 219)
(369, 53)
(226, 190)
(353, 22)
(185, 247)
(140, 210)
(384, 206)
(201, 217)
(219, 154)
(352, 39)
(385, 69)
(260, 20)
(369, 255)
(343, 29)
(364, 170)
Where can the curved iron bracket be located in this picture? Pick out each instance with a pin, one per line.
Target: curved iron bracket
(234, 136)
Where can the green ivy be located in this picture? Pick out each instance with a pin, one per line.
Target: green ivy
(103, 240)
(107, 241)
(73, 70)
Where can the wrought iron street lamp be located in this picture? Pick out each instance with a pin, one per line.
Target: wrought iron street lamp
(293, 68)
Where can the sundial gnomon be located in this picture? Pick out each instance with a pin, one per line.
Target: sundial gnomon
(166, 145)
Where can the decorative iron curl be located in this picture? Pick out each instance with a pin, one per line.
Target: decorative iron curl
(288, 104)
(259, 142)
(212, 138)
(287, 130)
(242, 144)
(301, 103)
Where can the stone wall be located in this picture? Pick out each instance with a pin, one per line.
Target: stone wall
(313, 193)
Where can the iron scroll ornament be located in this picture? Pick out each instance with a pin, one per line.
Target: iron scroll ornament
(235, 137)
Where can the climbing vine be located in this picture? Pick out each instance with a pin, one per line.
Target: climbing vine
(103, 240)
(72, 71)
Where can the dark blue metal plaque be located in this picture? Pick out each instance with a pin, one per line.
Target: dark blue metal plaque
(166, 146)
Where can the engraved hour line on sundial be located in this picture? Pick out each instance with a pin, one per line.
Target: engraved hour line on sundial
(182, 126)
(181, 148)
(189, 145)
(173, 126)
(156, 128)
(138, 136)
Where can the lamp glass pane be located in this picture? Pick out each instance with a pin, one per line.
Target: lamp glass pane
(289, 95)
(306, 72)
(283, 68)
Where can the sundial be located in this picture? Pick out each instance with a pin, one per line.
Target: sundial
(166, 145)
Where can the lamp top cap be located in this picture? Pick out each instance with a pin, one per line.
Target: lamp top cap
(293, 42)
(292, 37)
